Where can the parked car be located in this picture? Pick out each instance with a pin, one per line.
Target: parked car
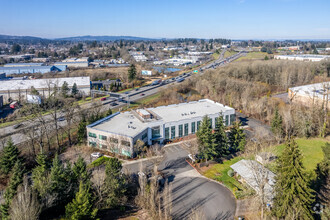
(96, 154)
(17, 125)
(103, 99)
(61, 119)
(142, 94)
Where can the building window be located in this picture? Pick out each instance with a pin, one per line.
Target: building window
(114, 140)
(92, 144)
(125, 143)
(104, 147)
(185, 129)
(90, 134)
(125, 152)
(102, 137)
(167, 133)
(227, 120)
(232, 119)
(180, 130)
(144, 136)
(198, 124)
(210, 123)
(172, 132)
(193, 124)
(155, 132)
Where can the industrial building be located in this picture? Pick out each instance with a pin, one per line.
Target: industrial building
(119, 132)
(302, 57)
(22, 64)
(28, 69)
(75, 64)
(18, 89)
(308, 95)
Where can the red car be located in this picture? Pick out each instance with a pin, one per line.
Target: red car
(142, 94)
(103, 99)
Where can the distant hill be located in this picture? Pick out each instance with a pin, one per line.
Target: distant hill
(105, 38)
(10, 37)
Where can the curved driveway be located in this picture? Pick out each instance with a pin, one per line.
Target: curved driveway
(193, 192)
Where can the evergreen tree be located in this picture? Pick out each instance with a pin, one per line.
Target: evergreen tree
(15, 180)
(132, 72)
(40, 176)
(82, 130)
(113, 187)
(220, 137)
(322, 183)
(236, 138)
(109, 112)
(59, 180)
(207, 149)
(81, 206)
(80, 173)
(74, 89)
(8, 157)
(293, 196)
(150, 48)
(276, 124)
(65, 89)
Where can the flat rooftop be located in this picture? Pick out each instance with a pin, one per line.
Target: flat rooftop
(15, 84)
(312, 90)
(124, 124)
(188, 110)
(23, 64)
(129, 124)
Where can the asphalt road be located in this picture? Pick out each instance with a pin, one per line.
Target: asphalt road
(192, 192)
(18, 135)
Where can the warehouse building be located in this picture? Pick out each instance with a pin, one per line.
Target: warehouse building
(312, 94)
(78, 64)
(18, 89)
(303, 57)
(119, 132)
(22, 64)
(28, 69)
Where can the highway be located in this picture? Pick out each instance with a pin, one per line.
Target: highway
(18, 135)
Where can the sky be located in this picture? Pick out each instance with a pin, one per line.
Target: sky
(234, 19)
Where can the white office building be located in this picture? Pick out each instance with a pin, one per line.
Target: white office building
(119, 132)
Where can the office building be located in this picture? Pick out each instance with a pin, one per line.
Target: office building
(119, 132)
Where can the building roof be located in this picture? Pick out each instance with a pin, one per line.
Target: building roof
(75, 62)
(6, 85)
(22, 64)
(129, 123)
(25, 67)
(188, 110)
(312, 90)
(253, 173)
(125, 124)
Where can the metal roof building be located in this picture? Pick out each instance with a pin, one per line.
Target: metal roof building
(28, 69)
(119, 132)
(254, 174)
(18, 89)
(22, 64)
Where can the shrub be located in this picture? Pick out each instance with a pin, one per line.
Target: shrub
(230, 172)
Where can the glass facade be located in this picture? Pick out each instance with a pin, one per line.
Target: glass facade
(155, 132)
(167, 133)
(193, 129)
(144, 136)
(186, 129)
(180, 130)
(172, 132)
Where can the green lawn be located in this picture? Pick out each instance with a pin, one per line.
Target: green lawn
(215, 56)
(253, 56)
(219, 172)
(229, 53)
(311, 151)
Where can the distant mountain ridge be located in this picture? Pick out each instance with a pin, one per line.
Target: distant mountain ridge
(77, 38)
(104, 38)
